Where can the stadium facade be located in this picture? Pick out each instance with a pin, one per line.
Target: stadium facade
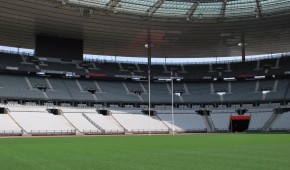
(44, 95)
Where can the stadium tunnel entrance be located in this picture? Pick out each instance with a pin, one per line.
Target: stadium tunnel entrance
(239, 123)
(146, 112)
(104, 112)
(54, 111)
(203, 112)
(3, 110)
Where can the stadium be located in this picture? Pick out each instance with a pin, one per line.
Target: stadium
(144, 84)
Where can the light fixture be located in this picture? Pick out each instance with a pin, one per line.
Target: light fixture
(242, 44)
(221, 92)
(146, 45)
(265, 91)
(259, 77)
(178, 93)
(229, 79)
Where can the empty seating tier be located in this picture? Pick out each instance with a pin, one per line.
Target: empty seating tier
(81, 123)
(107, 124)
(139, 123)
(41, 123)
(183, 122)
(8, 126)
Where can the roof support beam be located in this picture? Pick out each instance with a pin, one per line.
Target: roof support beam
(154, 8)
(192, 9)
(258, 9)
(223, 9)
(112, 4)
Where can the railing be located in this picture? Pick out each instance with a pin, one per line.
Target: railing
(255, 129)
(103, 132)
(11, 132)
(209, 121)
(91, 132)
(279, 129)
(52, 132)
(270, 121)
(143, 131)
(94, 123)
(202, 130)
(221, 130)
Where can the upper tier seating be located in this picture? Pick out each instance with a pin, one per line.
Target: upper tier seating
(279, 92)
(200, 92)
(67, 90)
(64, 67)
(276, 66)
(17, 87)
(60, 89)
(20, 87)
(243, 91)
(14, 60)
(160, 93)
(114, 91)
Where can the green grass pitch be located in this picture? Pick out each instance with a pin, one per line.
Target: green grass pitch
(180, 152)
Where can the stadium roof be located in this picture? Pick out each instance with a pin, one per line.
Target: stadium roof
(216, 10)
(179, 28)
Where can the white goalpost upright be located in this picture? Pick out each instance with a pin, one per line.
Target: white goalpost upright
(149, 46)
(172, 103)
(149, 100)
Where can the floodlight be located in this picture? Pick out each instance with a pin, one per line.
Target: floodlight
(265, 91)
(221, 93)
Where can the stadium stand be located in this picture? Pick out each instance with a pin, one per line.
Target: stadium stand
(221, 119)
(278, 90)
(76, 118)
(190, 71)
(114, 91)
(37, 121)
(8, 126)
(76, 89)
(125, 97)
(200, 92)
(81, 123)
(17, 87)
(259, 117)
(281, 123)
(160, 93)
(63, 67)
(184, 120)
(243, 91)
(106, 123)
(15, 62)
(135, 122)
(76, 92)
